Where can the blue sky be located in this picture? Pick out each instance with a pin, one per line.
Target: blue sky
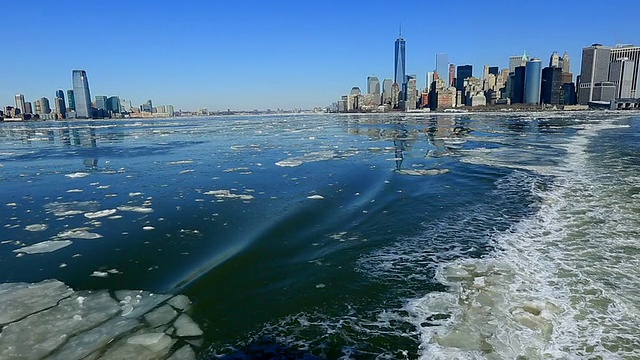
(259, 54)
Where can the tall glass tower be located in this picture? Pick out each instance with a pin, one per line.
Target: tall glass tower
(532, 81)
(400, 70)
(72, 100)
(81, 94)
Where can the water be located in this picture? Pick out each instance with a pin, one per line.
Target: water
(475, 236)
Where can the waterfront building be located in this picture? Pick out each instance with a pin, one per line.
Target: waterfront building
(354, 91)
(632, 53)
(113, 105)
(148, 105)
(594, 69)
(532, 81)
(621, 73)
(395, 95)
(551, 89)
(399, 69)
(42, 106)
(463, 72)
(412, 95)
(569, 93)
(430, 77)
(386, 91)
(101, 102)
(604, 91)
(81, 94)
(20, 103)
(28, 109)
(452, 75)
(71, 101)
(517, 60)
(442, 66)
(61, 109)
(60, 94)
(373, 85)
(125, 105)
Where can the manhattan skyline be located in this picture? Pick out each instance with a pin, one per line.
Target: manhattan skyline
(287, 55)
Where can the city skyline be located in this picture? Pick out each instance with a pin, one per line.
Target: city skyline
(222, 55)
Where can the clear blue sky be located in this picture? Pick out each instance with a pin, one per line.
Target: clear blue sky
(257, 54)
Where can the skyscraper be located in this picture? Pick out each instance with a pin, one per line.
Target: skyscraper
(633, 54)
(555, 60)
(566, 63)
(532, 81)
(101, 102)
(594, 69)
(399, 61)
(71, 99)
(20, 103)
(386, 91)
(442, 66)
(517, 60)
(551, 89)
(621, 73)
(464, 72)
(82, 95)
(517, 87)
(373, 85)
(452, 75)
(42, 106)
(59, 101)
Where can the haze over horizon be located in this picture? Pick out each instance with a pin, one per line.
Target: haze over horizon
(277, 55)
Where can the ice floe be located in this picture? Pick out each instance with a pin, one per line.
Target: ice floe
(421, 172)
(79, 233)
(36, 227)
(315, 197)
(71, 208)
(75, 190)
(99, 214)
(50, 320)
(77, 175)
(179, 162)
(138, 209)
(147, 228)
(44, 247)
(227, 194)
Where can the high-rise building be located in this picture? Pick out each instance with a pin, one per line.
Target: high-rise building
(517, 87)
(621, 73)
(412, 94)
(551, 88)
(463, 72)
(632, 53)
(101, 102)
(71, 100)
(532, 81)
(386, 90)
(61, 109)
(555, 60)
(28, 109)
(452, 75)
(566, 63)
(399, 69)
(442, 66)
(113, 104)
(20, 103)
(594, 69)
(82, 95)
(42, 106)
(430, 78)
(569, 93)
(373, 85)
(517, 60)
(60, 94)
(148, 105)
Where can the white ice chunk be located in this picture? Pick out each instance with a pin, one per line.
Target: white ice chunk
(289, 163)
(132, 194)
(100, 274)
(148, 228)
(315, 197)
(138, 209)
(36, 227)
(79, 233)
(185, 327)
(77, 175)
(99, 214)
(75, 190)
(44, 247)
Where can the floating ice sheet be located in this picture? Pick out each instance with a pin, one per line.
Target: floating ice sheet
(36, 227)
(77, 175)
(99, 214)
(44, 247)
(138, 209)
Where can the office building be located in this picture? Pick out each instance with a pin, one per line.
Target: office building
(517, 60)
(82, 96)
(373, 85)
(113, 105)
(20, 103)
(604, 91)
(631, 53)
(71, 101)
(101, 102)
(621, 73)
(148, 105)
(594, 69)
(566, 63)
(399, 69)
(551, 88)
(532, 81)
(555, 60)
(517, 87)
(42, 106)
(412, 94)
(442, 67)
(452, 75)
(569, 93)
(430, 78)
(28, 109)
(386, 91)
(463, 72)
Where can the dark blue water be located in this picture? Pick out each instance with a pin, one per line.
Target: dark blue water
(296, 236)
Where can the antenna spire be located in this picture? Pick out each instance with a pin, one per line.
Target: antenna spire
(400, 33)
